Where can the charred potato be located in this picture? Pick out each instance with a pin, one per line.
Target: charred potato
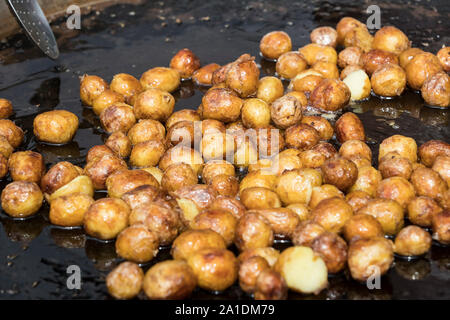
(436, 90)
(127, 86)
(136, 243)
(57, 126)
(290, 64)
(274, 44)
(412, 241)
(388, 213)
(90, 88)
(391, 39)
(330, 95)
(117, 117)
(69, 211)
(389, 80)
(166, 79)
(332, 214)
(420, 68)
(26, 166)
(362, 226)
(185, 62)
(125, 281)
(339, 172)
(191, 241)
(253, 231)
(21, 199)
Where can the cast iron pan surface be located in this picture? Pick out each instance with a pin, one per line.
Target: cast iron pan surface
(34, 255)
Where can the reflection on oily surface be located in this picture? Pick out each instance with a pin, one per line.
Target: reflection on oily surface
(54, 153)
(68, 238)
(102, 254)
(413, 270)
(441, 256)
(23, 231)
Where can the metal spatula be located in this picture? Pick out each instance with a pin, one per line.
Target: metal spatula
(32, 18)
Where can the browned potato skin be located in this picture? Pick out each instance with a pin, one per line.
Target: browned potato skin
(221, 104)
(364, 253)
(307, 83)
(351, 148)
(330, 95)
(396, 188)
(147, 154)
(106, 218)
(202, 195)
(404, 146)
(216, 167)
(391, 39)
(90, 88)
(154, 104)
(182, 154)
(325, 148)
(444, 58)
(185, 62)
(6, 108)
(389, 80)
(125, 281)
(203, 76)
(249, 270)
(329, 70)
(406, 56)
(339, 172)
(436, 90)
(177, 176)
(321, 124)
(326, 36)
(428, 183)
(359, 37)
(120, 144)
(362, 226)
(357, 199)
(344, 26)
(306, 232)
(213, 126)
(388, 212)
(117, 117)
(225, 185)
(145, 130)
(6, 148)
(136, 243)
(270, 285)
(286, 111)
(295, 186)
(26, 166)
(269, 89)
(301, 136)
(323, 192)
(284, 162)
(430, 150)
(96, 152)
(332, 214)
(349, 127)
(268, 253)
(126, 85)
(21, 199)
(376, 58)
(122, 181)
(11, 132)
(440, 222)
(312, 159)
(301, 210)
(69, 211)
(350, 56)
(255, 113)
(282, 220)
(315, 52)
(259, 198)
(183, 132)
(56, 126)
(289, 64)
(57, 176)
(274, 44)
(368, 180)
(392, 165)
(421, 210)
(253, 231)
(166, 79)
(242, 77)
(420, 68)
(229, 204)
(332, 249)
(105, 99)
(258, 178)
(182, 115)
(3, 166)
(412, 241)
(220, 221)
(442, 166)
(141, 195)
(191, 241)
(101, 168)
(169, 280)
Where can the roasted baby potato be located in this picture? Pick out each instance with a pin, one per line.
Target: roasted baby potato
(57, 176)
(3, 166)
(255, 113)
(406, 147)
(221, 104)
(301, 210)
(120, 144)
(406, 56)
(290, 64)
(321, 124)
(349, 127)
(301, 136)
(269, 89)
(21, 199)
(166, 79)
(430, 150)
(90, 88)
(420, 68)
(412, 241)
(105, 99)
(6, 149)
(177, 176)
(286, 111)
(259, 198)
(229, 204)
(11, 132)
(185, 62)
(56, 126)
(330, 95)
(26, 166)
(350, 69)
(185, 133)
(6, 108)
(147, 153)
(127, 86)
(444, 58)
(182, 115)
(391, 39)
(306, 232)
(442, 166)
(314, 52)
(305, 81)
(100, 168)
(249, 270)
(81, 184)
(125, 281)
(428, 183)
(295, 186)
(182, 154)
(312, 159)
(374, 59)
(362, 226)
(282, 220)
(154, 104)
(325, 148)
(274, 44)
(421, 209)
(359, 37)
(117, 117)
(191, 241)
(393, 165)
(270, 285)
(193, 199)
(339, 172)
(440, 223)
(323, 192)
(253, 231)
(357, 199)
(332, 249)
(122, 181)
(98, 151)
(141, 195)
(136, 243)
(217, 145)
(69, 210)
(216, 167)
(332, 214)
(145, 130)
(368, 180)
(436, 90)
(344, 26)
(350, 56)
(358, 83)
(329, 70)
(258, 178)
(388, 213)
(396, 188)
(203, 76)
(242, 77)
(389, 80)
(351, 148)
(326, 36)
(220, 221)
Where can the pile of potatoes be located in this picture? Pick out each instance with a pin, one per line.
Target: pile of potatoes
(173, 179)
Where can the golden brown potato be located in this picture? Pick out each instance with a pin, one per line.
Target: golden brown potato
(301, 210)
(217, 145)
(69, 211)
(182, 154)
(321, 124)
(388, 213)
(216, 167)
(106, 218)
(154, 104)
(269, 141)
(436, 90)
(359, 37)
(169, 280)
(214, 126)
(156, 172)
(105, 99)
(289, 64)
(225, 185)
(90, 88)
(393, 165)
(242, 77)
(420, 68)
(258, 178)
(221, 104)
(21, 199)
(141, 195)
(329, 70)
(305, 81)
(313, 277)
(430, 150)
(332, 214)
(440, 223)
(166, 79)
(3, 166)
(269, 89)
(428, 183)
(370, 257)
(96, 152)
(306, 232)
(259, 198)
(57, 176)
(332, 249)
(357, 199)
(249, 270)
(389, 80)
(145, 130)
(270, 254)
(295, 186)
(301, 136)
(184, 132)
(314, 52)
(117, 117)
(220, 221)
(56, 126)
(391, 39)
(368, 180)
(362, 226)
(326, 36)
(445, 202)
(101, 168)
(444, 58)
(360, 161)
(325, 148)
(26, 166)
(350, 69)
(349, 127)
(255, 113)
(193, 199)
(406, 56)
(136, 243)
(270, 285)
(81, 184)
(253, 231)
(351, 148)
(119, 143)
(282, 220)
(229, 204)
(284, 162)
(350, 56)
(339, 172)
(185, 62)
(421, 209)
(442, 166)
(121, 181)
(203, 76)
(6, 149)
(412, 241)
(6, 108)
(215, 269)
(274, 44)
(330, 95)
(323, 192)
(312, 159)
(127, 86)
(396, 188)
(147, 154)
(191, 241)
(125, 281)
(178, 175)
(406, 147)
(344, 26)
(375, 59)
(182, 115)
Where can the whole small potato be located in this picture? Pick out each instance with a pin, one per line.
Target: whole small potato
(6, 149)
(101, 168)
(393, 165)
(145, 130)
(406, 56)
(270, 285)
(360, 161)
(136, 243)
(284, 162)
(105, 99)
(26, 166)
(282, 220)
(183, 132)
(258, 178)
(325, 148)
(391, 39)
(215, 269)
(229, 204)
(301, 210)
(306, 232)
(368, 180)
(332, 214)
(428, 183)
(221, 104)
(203, 76)
(178, 175)
(253, 231)
(350, 69)
(312, 159)
(185, 62)
(69, 211)
(323, 192)
(274, 44)
(270, 141)
(420, 68)
(182, 115)
(359, 37)
(430, 150)
(344, 26)
(326, 36)
(255, 113)
(242, 77)
(147, 154)
(217, 145)
(301, 136)
(389, 80)
(193, 240)
(249, 270)
(412, 241)
(193, 199)
(440, 223)
(90, 88)
(305, 81)
(332, 249)
(166, 79)
(357, 199)
(444, 58)
(269, 89)
(329, 70)
(57, 126)
(154, 104)
(289, 64)
(388, 213)
(220, 221)
(406, 147)
(442, 166)
(216, 167)
(169, 280)
(57, 176)
(121, 181)
(106, 218)
(3, 166)
(96, 152)
(374, 59)
(11, 132)
(350, 56)
(295, 186)
(396, 188)
(314, 52)
(126, 85)
(362, 226)
(119, 143)
(352, 148)
(270, 254)
(321, 124)
(225, 185)
(359, 85)
(125, 281)
(182, 154)
(215, 126)
(141, 195)
(421, 210)
(339, 172)
(370, 257)
(313, 277)
(117, 117)
(330, 95)
(436, 90)
(6, 108)
(21, 199)
(349, 127)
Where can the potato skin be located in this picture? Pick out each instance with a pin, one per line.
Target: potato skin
(362, 226)
(6, 149)
(125, 281)
(127, 86)
(101, 168)
(368, 180)
(141, 195)
(259, 198)
(182, 154)
(421, 209)
(145, 130)
(444, 58)
(185, 62)
(301, 136)
(91, 87)
(283, 221)
(430, 150)
(203, 75)
(376, 58)
(389, 80)
(178, 175)
(322, 192)
(193, 240)
(406, 56)
(122, 181)
(440, 223)
(332, 249)
(330, 95)
(442, 166)
(339, 172)
(98, 151)
(120, 144)
(154, 104)
(314, 52)
(249, 270)
(305, 81)
(105, 99)
(295, 186)
(350, 69)
(169, 280)
(147, 153)
(389, 214)
(404, 146)
(270, 285)
(117, 117)
(69, 211)
(269, 89)
(26, 166)
(57, 176)
(166, 79)
(286, 111)
(216, 167)
(136, 243)
(289, 64)
(325, 148)
(350, 56)
(229, 204)
(193, 199)
(349, 127)
(357, 199)
(56, 126)
(321, 124)
(344, 26)
(396, 188)
(220, 221)
(182, 115)
(332, 214)
(6, 108)
(216, 269)
(351, 148)
(420, 68)
(365, 254)
(393, 165)
(21, 199)
(242, 77)
(326, 36)
(391, 39)
(274, 44)
(221, 104)
(359, 37)
(428, 183)
(436, 90)
(3, 166)
(225, 185)
(412, 241)
(253, 231)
